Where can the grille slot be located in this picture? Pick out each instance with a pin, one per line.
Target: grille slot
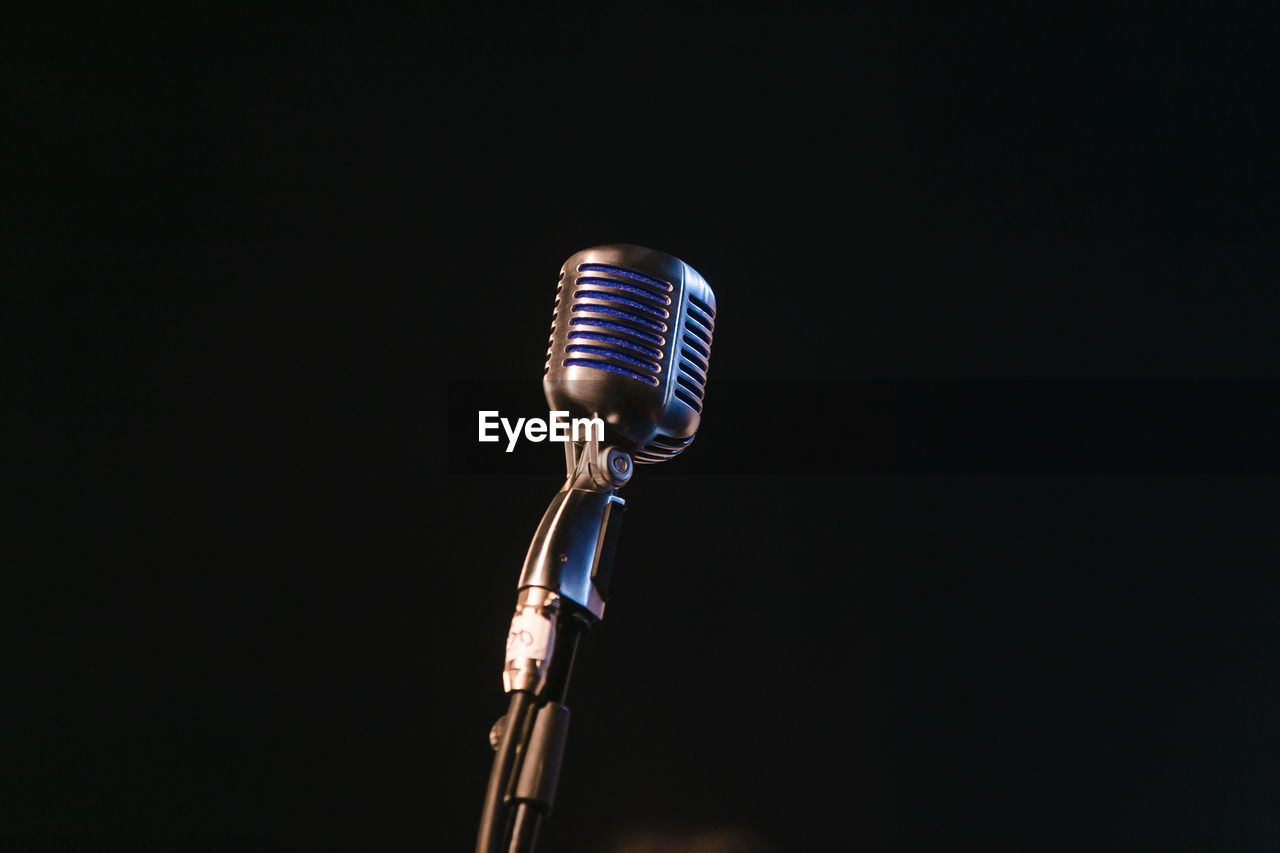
(705, 309)
(698, 332)
(690, 370)
(622, 315)
(692, 358)
(689, 400)
(623, 272)
(661, 448)
(656, 298)
(691, 385)
(647, 366)
(698, 346)
(616, 341)
(606, 296)
(612, 368)
(657, 340)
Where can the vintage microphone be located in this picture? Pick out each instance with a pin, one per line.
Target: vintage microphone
(630, 345)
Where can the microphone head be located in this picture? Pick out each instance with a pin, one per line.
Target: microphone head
(631, 344)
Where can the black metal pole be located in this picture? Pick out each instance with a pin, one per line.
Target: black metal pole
(534, 781)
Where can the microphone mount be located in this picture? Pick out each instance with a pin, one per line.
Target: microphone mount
(572, 551)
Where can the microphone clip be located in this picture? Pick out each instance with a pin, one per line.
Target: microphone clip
(572, 551)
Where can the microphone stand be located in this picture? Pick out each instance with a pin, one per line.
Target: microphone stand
(562, 593)
(533, 792)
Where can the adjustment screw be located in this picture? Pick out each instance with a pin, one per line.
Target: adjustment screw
(614, 468)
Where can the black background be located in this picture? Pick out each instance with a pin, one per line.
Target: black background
(259, 597)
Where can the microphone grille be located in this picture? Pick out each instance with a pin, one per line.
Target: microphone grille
(617, 322)
(691, 366)
(631, 343)
(695, 352)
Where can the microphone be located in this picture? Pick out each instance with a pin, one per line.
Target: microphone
(630, 345)
(631, 341)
